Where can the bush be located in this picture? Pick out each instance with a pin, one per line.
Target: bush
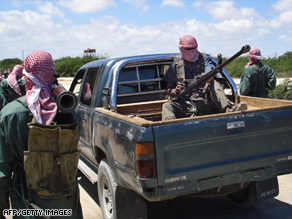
(9, 63)
(282, 91)
(67, 66)
(236, 67)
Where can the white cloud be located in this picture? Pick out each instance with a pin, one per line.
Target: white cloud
(234, 27)
(197, 4)
(49, 8)
(287, 39)
(83, 6)
(222, 10)
(15, 22)
(31, 30)
(175, 3)
(138, 3)
(284, 18)
(263, 31)
(18, 3)
(283, 5)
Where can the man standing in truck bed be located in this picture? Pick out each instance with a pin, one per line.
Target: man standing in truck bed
(207, 99)
(257, 78)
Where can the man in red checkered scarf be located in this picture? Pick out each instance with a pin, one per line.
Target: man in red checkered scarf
(30, 176)
(39, 74)
(12, 87)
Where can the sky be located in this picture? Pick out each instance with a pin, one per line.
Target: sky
(130, 27)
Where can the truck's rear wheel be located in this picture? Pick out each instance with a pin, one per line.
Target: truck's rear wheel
(246, 197)
(106, 187)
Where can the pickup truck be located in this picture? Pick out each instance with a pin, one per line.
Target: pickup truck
(137, 159)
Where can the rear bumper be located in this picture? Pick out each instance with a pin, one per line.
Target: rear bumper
(218, 184)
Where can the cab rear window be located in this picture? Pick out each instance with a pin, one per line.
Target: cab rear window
(141, 79)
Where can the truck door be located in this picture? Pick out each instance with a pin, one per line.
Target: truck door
(85, 109)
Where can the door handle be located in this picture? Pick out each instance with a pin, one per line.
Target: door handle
(235, 125)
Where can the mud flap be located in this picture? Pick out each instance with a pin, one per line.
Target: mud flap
(267, 188)
(129, 204)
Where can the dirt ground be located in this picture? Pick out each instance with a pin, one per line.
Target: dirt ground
(189, 207)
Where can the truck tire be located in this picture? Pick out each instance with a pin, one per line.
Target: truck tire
(106, 187)
(245, 198)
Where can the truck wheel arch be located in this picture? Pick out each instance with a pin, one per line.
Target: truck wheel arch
(99, 154)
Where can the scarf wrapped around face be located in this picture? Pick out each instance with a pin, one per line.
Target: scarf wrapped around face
(188, 48)
(254, 56)
(39, 74)
(87, 93)
(13, 77)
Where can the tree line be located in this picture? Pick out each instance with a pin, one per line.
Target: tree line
(65, 66)
(68, 66)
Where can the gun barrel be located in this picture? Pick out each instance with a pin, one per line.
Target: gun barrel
(67, 102)
(213, 72)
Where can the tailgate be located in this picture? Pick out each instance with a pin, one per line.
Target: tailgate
(198, 154)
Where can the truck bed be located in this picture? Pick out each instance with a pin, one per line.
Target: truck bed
(149, 113)
(207, 152)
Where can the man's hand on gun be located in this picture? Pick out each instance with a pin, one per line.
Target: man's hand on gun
(174, 91)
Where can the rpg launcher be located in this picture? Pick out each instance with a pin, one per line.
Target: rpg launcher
(196, 83)
(66, 100)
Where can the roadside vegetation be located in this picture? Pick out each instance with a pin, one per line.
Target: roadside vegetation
(68, 66)
(282, 65)
(282, 91)
(65, 66)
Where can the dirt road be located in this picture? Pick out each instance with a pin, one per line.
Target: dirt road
(188, 207)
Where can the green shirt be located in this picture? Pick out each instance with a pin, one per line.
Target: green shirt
(13, 141)
(7, 94)
(256, 79)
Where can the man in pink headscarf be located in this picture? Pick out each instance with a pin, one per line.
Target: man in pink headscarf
(254, 56)
(39, 156)
(209, 98)
(257, 78)
(12, 87)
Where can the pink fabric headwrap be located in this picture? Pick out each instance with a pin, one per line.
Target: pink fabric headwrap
(39, 74)
(87, 94)
(188, 48)
(13, 76)
(254, 56)
(1, 76)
